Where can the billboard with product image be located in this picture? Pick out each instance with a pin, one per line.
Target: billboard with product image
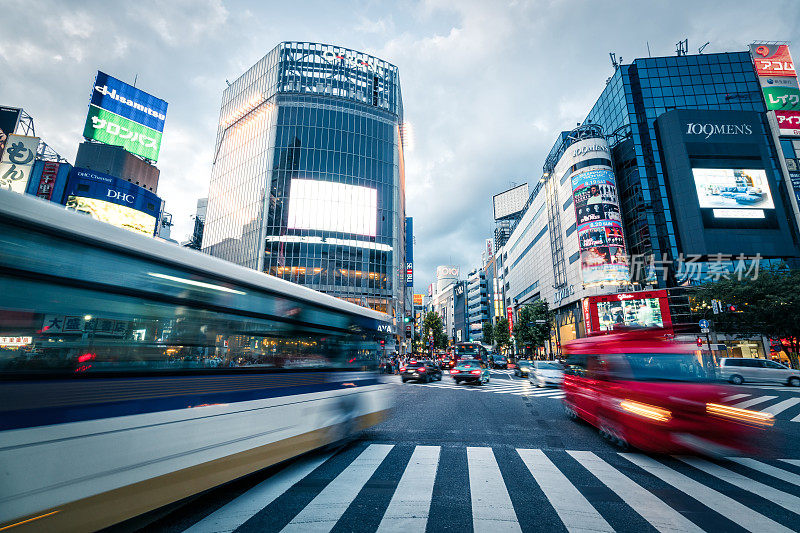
(112, 200)
(728, 188)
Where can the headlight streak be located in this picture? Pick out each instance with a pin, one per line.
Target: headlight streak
(645, 410)
(746, 416)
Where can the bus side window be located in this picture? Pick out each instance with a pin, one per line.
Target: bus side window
(575, 365)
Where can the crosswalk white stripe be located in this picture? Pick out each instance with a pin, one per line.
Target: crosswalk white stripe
(411, 502)
(727, 507)
(322, 513)
(734, 397)
(660, 515)
(795, 462)
(492, 510)
(240, 510)
(796, 419)
(753, 401)
(774, 471)
(575, 511)
(781, 406)
(788, 501)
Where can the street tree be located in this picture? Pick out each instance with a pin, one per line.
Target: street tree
(533, 325)
(767, 305)
(501, 335)
(488, 332)
(432, 323)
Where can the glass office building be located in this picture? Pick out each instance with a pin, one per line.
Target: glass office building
(638, 94)
(307, 181)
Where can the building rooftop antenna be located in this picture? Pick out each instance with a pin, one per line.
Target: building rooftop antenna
(613, 57)
(700, 50)
(682, 47)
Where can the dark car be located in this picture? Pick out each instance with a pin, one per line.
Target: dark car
(424, 371)
(470, 370)
(499, 361)
(523, 368)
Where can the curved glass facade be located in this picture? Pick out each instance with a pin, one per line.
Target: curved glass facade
(307, 182)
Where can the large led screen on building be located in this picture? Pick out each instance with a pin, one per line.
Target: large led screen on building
(643, 309)
(733, 193)
(331, 206)
(599, 224)
(112, 200)
(122, 115)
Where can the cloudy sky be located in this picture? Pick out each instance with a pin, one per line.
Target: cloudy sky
(487, 85)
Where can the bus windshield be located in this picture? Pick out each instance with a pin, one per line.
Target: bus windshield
(465, 350)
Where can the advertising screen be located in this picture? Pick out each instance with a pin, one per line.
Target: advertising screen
(16, 163)
(642, 312)
(122, 115)
(599, 225)
(112, 200)
(772, 60)
(330, 206)
(736, 190)
(9, 116)
(510, 202)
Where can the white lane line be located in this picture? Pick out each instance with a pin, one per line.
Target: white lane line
(322, 513)
(753, 401)
(716, 501)
(492, 510)
(787, 501)
(781, 406)
(774, 471)
(660, 515)
(411, 502)
(238, 511)
(796, 419)
(734, 397)
(572, 507)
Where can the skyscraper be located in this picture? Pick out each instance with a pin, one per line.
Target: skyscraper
(307, 182)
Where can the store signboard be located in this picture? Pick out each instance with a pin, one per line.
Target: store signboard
(108, 128)
(418, 298)
(778, 78)
(409, 251)
(772, 59)
(788, 123)
(510, 316)
(48, 180)
(16, 162)
(782, 98)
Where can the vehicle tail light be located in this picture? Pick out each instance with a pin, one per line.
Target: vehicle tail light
(454, 371)
(645, 410)
(474, 371)
(402, 369)
(746, 416)
(421, 369)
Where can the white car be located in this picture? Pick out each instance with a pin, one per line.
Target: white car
(544, 373)
(740, 370)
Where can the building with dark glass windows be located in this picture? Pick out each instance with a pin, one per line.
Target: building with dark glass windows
(307, 182)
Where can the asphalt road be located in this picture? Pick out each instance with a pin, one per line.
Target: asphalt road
(504, 457)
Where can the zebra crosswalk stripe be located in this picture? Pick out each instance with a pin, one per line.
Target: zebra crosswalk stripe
(753, 401)
(240, 510)
(492, 509)
(788, 501)
(724, 505)
(660, 515)
(408, 510)
(735, 397)
(781, 406)
(574, 510)
(322, 513)
(764, 468)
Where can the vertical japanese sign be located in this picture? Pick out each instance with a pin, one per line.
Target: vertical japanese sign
(409, 251)
(510, 316)
(122, 115)
(47, 181)
(778, 79)
(9, 117)
(16, 163)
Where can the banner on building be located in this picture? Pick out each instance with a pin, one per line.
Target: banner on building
(122, 115)
(779, 86)
(47, 181)
(772, 59)
(16, 163)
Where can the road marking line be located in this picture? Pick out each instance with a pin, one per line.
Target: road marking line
(575, 511)
(788, 501)
(411, 502)
(238, 511)
(734, 397)
(795, 419)
(322, 513)
(716, 501)
(660, 515)
(492, 509)
(781, 406)
(774, 471)
(747, 403)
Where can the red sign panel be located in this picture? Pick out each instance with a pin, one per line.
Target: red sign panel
(788, 122)
(772, 60)
(510, 315)
(47, 181)
(632, 309)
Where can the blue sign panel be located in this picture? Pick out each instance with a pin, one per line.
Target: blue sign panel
(409, 251)
(127, 101)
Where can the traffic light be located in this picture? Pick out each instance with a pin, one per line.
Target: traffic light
(699, 342)
(407, 319)
(731, 308)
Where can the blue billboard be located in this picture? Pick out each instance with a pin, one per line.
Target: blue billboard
(409, 251)
(127, 101)
(112, 200)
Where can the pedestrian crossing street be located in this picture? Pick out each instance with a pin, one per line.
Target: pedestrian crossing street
(406, 488)
(517, 387)
(779, 406)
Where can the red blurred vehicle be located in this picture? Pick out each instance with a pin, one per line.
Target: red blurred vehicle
(640, 389)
